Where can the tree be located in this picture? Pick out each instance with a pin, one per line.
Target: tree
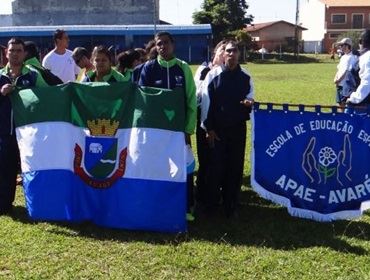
(224, 16)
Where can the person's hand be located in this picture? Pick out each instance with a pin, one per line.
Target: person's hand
(248, 102)
(345, 162)
(6, 89)
(211, 137)
(309, 164)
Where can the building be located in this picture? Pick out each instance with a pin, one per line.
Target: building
(331, 19)
(123, 24)
(275, 35)
(81, 12)
(192, 41)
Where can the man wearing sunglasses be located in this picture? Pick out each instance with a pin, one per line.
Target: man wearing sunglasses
(227, 98)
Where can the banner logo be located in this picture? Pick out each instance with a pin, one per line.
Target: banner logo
(326, 163)
(102, 167)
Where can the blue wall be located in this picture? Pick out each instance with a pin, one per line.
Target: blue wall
(191, 43)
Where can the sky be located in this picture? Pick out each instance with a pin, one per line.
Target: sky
(180, 11)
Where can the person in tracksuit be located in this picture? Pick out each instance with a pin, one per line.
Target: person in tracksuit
(103, 70)
(227, 98)
(166, 71)
(362, 94)
(15, 75)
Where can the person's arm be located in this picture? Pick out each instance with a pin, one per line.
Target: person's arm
(344, 67)
(144, 76)
(40, 81)
(191, 100)
(46, 62)
(363, 89)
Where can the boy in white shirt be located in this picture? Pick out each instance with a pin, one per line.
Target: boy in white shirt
(59, 61)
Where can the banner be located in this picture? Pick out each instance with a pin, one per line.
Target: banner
(112, 154)
(315, 163)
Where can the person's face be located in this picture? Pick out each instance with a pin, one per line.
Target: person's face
(164, 47)
(344, 48)
(231, 56)
(64, 41)
(82, 62)
(15, 54)
(102, 64)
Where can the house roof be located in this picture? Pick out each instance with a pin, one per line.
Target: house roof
(346, 3)
(259, 26)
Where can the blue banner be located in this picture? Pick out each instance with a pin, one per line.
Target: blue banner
(315, 163)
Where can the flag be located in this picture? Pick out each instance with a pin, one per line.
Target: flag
(316, 163)
(113, 154)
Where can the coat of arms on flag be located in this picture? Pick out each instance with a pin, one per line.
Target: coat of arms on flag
(101, 165)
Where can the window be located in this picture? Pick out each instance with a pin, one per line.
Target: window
(357, 21)
(338, 18)
(334, 35)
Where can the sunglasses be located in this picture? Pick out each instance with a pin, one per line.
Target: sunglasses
(230, 50)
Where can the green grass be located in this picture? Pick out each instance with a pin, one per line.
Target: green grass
(266, 243)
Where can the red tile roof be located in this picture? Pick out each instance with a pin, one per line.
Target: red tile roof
(346, 3)
(259, 26)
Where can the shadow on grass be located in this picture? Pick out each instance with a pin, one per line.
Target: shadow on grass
(260, 224)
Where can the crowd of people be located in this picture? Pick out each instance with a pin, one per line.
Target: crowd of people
(218, 101)
(352, 78)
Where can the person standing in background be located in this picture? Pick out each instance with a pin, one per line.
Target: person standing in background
(82, 59)
(227, 98)
(343, 79)
(362, 94)
(33, 59)
(202, 144)
(59, 61)
(103, 70)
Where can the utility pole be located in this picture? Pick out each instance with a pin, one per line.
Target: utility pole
(155, 16)
(296, 37)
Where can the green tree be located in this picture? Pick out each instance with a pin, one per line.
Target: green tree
(224, 16)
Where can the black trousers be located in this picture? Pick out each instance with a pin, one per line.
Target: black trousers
(9, 163)
(225, 170)
(203, 159)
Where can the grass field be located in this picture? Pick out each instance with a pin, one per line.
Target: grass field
(265, 243)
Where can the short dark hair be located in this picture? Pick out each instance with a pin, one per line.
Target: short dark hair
(58, 34)
(16, 41)
(164, 33)
(32, 50)
(102, 50)
(233, 43)
(126, 59)
(79, 52)
(365, 38)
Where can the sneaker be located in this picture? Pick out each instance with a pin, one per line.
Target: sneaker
(19, 180)
(6, 210)
(190, 217)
